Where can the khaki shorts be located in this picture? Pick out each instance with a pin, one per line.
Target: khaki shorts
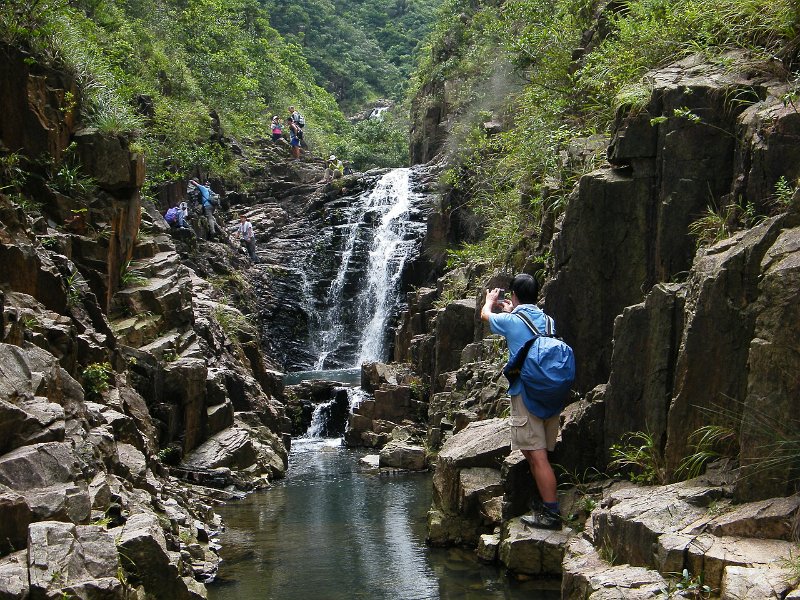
(529, 432)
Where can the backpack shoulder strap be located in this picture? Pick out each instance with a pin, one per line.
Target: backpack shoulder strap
(550, 327)
(529, 323)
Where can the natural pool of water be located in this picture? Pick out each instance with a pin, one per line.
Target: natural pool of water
(331, 531)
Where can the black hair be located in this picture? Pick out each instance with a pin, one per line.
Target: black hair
(525, 287)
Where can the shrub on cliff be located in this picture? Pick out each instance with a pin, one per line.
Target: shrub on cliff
(550, 71)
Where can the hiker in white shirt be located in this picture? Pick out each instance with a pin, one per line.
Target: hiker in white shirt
(247, 238)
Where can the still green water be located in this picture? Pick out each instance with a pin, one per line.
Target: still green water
(334, 531)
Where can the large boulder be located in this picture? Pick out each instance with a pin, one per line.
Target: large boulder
(462, 493)
(455, 328)
(402, 455)
(146, 559)
(531, 551)
(773, 361)
(719, 327)
(73, 561)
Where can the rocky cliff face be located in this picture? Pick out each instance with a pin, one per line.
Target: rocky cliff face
(668, 338)
(124, 370)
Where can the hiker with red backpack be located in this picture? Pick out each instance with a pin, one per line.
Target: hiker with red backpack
(540, 370)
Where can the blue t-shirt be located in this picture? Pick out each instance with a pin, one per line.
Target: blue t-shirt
(517, 332)
(204, 195)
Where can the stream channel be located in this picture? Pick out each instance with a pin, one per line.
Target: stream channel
(335, 528)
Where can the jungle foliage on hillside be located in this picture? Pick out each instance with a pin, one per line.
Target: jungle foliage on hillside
(359, 49)
(162, 70)
(517, 63)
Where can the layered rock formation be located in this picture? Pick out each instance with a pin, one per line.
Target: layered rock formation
(123, 370)
(668, 338)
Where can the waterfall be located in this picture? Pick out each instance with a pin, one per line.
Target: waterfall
(377, 112)
(329, 419)
(381, 232)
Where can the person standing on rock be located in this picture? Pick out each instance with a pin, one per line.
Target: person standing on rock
(531, 435)
(247, 238)
(277, 130)
(294, 137)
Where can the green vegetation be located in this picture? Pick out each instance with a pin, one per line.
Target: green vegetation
(74, 293)
(96, 379)
(708, 443)
(129, 276)
(514, 64)
(640, 456)
(784, 192)
(181, 77)
(231, 321)
(359, 50)
(685, 585)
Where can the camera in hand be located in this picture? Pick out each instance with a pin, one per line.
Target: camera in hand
(501, 296)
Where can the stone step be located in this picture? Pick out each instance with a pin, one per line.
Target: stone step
(693, 526)
(587, 575)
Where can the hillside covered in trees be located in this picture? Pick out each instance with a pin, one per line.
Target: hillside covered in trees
(185, 76)
(359, 50)
(546, 72)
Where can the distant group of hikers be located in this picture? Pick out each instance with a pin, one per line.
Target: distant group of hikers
(295, 123)
(203, 202)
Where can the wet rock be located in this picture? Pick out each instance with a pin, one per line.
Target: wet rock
(401, 455)
(531, 551)
(488, 545)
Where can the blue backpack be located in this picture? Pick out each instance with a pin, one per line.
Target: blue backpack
(546, 366)
(172, 216)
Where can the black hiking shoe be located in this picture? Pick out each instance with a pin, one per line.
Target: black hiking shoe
(542, 518)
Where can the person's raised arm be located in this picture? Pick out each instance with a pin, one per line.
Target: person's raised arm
(488, 304)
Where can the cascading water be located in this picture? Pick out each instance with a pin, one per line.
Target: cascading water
(378, 238)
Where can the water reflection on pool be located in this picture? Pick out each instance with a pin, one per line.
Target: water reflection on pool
(332, 531)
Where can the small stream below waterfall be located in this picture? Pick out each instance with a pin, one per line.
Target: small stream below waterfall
(334, 528)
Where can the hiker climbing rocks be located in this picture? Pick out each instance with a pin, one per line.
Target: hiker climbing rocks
(246, 237)
(533, 432)
(300, 121)
(333, 170)
(277, 130)
(175, 217)
(208, 205)
(294, 130)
